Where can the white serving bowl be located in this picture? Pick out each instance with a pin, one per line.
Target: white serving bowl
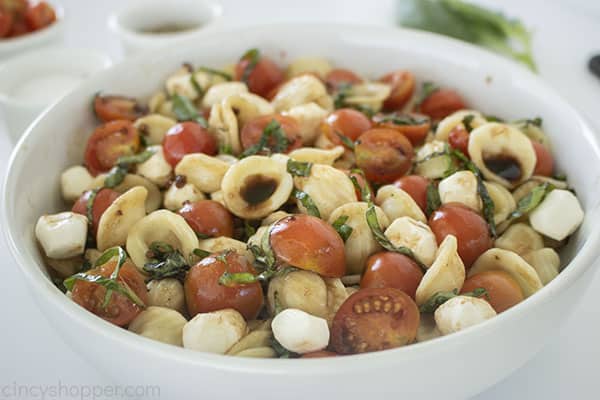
(450, 367)
(51, 34)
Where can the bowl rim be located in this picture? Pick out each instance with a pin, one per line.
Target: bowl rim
(42, 287)
(12, 44)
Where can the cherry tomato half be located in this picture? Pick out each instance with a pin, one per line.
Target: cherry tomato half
(110, 108)
(395, 270)
(6, 23)
(470, 229)
(347, 122)
(119, 310)
(109, 142)
(263, 77)
(19, 27)
(383, 154)
(186, 138)
(14, 7)
(403, 87)
(103, 199)
(374, 319)
(253, 131)
(416, 187)
(39, 16)
(309, 243)
(339, 77)
(362, 182)
(458, 138)
(545, 162)
(503, 291)
(441, 103)
(208, 217)
(414, 126)
(203, 293)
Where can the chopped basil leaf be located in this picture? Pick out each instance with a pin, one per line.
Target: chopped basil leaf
(400, 119)
(165, 261)
(342, 229)
(202, 236)
(346, 141)
(196, 85)
(433, 199)
(128, 161)
(365, 191)
(532, 200)
(263, 254)
(426, 90)
(117, 174)
(467, 120)
(307, 202)
(299, 168)
(225, 148)
(253, 57)
(222, 256)
(272, 130)
(339, 97)
(237, 278)
(524, 123)
(281, 351)
(201, 253)
(89, 208)
(212, 71)
(249, 230)
(185, 110)
(115, 177)
(493, 118)
(441, 297)
(560, 177)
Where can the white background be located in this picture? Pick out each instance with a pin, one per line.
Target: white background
(566, 34)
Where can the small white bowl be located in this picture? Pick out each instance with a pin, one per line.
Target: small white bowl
(137, 23)
(49, 35)
(79, 64)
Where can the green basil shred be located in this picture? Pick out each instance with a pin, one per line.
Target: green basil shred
(307, 202)
(272, 130)
(433, 199)
(185, 110)
(299, 168)
(532, 200)
(165, 262)
(253, 57)
(440, 298)
(342, 229)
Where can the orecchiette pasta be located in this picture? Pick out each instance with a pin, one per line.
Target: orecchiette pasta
(166, 293)
(202, 171)
(309, 65)
(247, 106)
(219, 92)
(460, 187)
(369, 94)
(303, 290)
(222, 243)
(177, 194)
(302, 90)
(154, 198)
(317, 156)
(520, 238)
(160, 323)
(416, 235)
(546, 263)
(396, 203)
(224, 125)
(309, 117)
(156, 169)
(455, 119)
(154, 127)
(504, 203)
(182, 85)
(431, 160)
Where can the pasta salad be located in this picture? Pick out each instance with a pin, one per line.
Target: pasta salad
(259, 211)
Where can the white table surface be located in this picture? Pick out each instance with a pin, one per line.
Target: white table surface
(31, 353)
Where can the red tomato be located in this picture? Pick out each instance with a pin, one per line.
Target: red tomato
(14, 7)
(207, 217)
(458, 138)
(403, 87)
(186, 138)
(109, 142)
(347, 122)
(360, 178)
(470, 229)
(416, 187)
(545, 162)
(319, 354)
(120, 310)
(374, 319)
(309, 243)
(395, 270)
(253, 131)
(110, 108)
(6, 23)
(441, 103)
(338, 77)
(503, 291)
(415, 130)
(203, 293)
(383, 154)
(19, 27)
(39, 16)
(104, 198)
(263, 77)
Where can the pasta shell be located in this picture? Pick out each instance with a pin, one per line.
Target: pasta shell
(154, 127)
(160, 226)
(202, 171)
(206, 79)
(176, 196)
(159, 323)
(92, 255)
(252, 341)
(166, 109)
(455, 119)
(415, 235)
(309, 117)
(396, 203)
(350, 280)
(259, 325)
(499, 141)
(223, 243)
(156, 100)
(166, 293)
(303, 290)
(156, 169)
(223, 124)
(430, 161)
(181, 84)
(520, 238)
(154, 198)
(534, 133)
(256, 186)
(317, 156)
(228, 158)
(504, 203)
(427, 328)
(361, 243)
(309, 65)
(447, 273)
(328, 187)
(460, 187)
(510, 262)
(368, 94)
(248, 106)
(336, 296)
(218, 197)
(546, 263)
(274, 217)
(119, 217)
(301, 90)
(258, 352)
(64, 267)
(219, 92)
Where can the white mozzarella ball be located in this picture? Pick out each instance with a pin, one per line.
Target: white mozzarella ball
(74, 181)
(558, 215)
(461, 312)
(214, 332)
(300, 332)
(62, 235)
